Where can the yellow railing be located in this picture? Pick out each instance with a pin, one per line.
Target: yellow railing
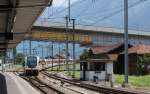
(60, 36)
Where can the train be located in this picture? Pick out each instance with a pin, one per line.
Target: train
(31, 66)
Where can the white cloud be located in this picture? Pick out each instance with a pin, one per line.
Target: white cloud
(62, 3)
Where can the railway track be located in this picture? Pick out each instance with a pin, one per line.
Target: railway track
(42, 87)
(104, 90)
(46, 88)
(44, 69)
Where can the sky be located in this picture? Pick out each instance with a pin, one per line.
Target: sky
(104, 13)
(62, 3)
(37, 47)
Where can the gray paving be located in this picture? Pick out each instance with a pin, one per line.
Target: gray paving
(12, 84)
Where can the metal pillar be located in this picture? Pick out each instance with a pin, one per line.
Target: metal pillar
(66, 51)
(30, 49)
(47, 51)
(4, 61)
(126, 40)
(23, 48)
(52, 55)
(59, 56)
(74, 58)
(42, 52)
(69, 11)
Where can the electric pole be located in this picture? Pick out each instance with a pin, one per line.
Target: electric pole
(69, 11)
(126, 41)
(23, 48)
(3, 62)
(66, 51)
(42, 52)
(52, 54)
(59, 56)
(30, 49)
(74, 59)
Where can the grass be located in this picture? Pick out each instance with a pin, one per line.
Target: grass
(135, 81)
(77, 74)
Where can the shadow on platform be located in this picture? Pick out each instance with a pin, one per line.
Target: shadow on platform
(3, 85)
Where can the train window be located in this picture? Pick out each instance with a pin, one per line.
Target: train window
(31, 62)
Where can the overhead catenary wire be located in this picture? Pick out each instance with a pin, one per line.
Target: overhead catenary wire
(83, 11)
(65, 8)
(52, 8)
(94, 23)
(114, 13)
(103, 11)
(117, 12)
(100, 19)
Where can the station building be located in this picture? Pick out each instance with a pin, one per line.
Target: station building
(100, 62)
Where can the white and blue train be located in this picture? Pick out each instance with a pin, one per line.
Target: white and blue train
(32, 65)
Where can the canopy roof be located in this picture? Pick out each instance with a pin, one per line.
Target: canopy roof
(17, 16)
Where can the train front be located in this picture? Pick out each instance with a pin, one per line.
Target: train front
(31, 65)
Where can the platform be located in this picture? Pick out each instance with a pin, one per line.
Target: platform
(12, 84)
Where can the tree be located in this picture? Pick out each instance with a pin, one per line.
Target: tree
(1, 55)
(84, 55)
(14, 52)
(19, 58)
(142, 60)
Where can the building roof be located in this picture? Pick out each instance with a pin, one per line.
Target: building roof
(98, 60)
(116, 48)
(139, 49)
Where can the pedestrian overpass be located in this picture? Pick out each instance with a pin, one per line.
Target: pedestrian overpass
(86, 35)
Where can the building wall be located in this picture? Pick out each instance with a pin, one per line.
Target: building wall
(132, 64)
(90, 75)
(109, 68)
(102, 75)
(119, 65)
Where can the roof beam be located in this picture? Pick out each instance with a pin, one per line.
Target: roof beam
(5, 8)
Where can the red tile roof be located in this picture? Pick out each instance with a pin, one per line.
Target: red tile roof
(104, 49)
(139, 49)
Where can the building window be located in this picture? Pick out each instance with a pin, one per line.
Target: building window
(97, 66)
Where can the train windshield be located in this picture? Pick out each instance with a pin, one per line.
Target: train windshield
(31, 62)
